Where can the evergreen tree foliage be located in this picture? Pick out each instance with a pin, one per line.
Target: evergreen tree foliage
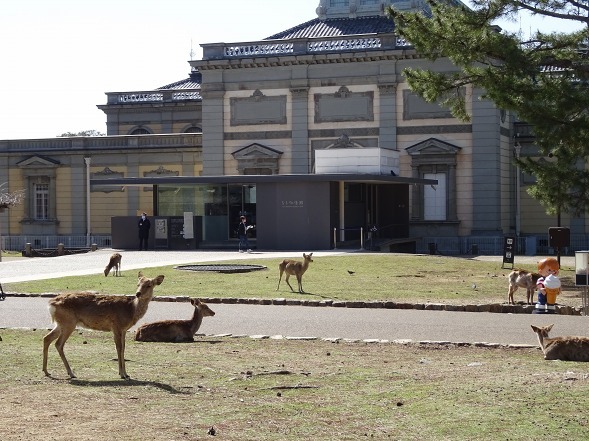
(541, 78)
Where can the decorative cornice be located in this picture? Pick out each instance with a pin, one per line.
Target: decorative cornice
(400, 54)
(433, 130)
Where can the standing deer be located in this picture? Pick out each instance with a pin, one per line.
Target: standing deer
(562, 348)
(99, 312)
(175, 331)
(522, 279)
(114, 262)
(294, 268)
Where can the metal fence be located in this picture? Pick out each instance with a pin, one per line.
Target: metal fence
(451, 246)
(493, 245)
(18, 243)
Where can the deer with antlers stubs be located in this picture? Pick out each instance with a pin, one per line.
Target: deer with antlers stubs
(99, 312)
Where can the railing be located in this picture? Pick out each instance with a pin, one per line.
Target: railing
(344, 45)
(153, 97)
(102, 142)
(303, 46)
(18, 243)
(259, 49)
(360, 229)
(493, 245)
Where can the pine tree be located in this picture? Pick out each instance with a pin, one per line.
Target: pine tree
(541, 78)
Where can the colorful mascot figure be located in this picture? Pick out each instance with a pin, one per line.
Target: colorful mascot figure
(548, 286)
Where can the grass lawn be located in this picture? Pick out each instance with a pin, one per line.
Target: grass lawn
(378, 277)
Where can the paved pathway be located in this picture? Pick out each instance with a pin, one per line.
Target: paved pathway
(288, 321)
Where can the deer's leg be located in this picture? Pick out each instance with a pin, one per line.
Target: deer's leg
(300, 283)
(510, 294)
(47, 340)
(280, 278)
(120, 344)
(288, 283)
(64, 334)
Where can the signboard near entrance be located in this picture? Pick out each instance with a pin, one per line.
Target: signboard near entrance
(508, 251)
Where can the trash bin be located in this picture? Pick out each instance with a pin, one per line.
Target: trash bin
(432, 247)
(475, 248)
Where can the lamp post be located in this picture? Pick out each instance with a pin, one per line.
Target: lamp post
(518, 149)
(87, 161)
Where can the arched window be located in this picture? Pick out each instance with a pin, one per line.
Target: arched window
(140, 131)
(193, 129)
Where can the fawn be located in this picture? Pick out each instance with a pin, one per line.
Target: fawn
(294, 268)
(99, 312)
(114, 262)
(562, 348)
(522, 279)
(175, 331)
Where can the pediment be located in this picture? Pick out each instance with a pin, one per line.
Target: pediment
(38, 161)
(344, 142)
(256, 151)
(433, 146)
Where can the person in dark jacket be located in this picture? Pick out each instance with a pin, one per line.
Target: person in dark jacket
(144, 226)
(242, 229)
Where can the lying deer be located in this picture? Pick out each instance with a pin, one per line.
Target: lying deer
(175, 331)
(294, 268)
(99, 312)
(522, 279)
(562, 348)
(114, 262)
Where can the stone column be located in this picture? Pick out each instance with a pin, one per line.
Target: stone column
(300, 162)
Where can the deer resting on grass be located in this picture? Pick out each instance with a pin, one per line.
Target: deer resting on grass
(175, 331)
(562, 348)
(99, 312)
(294, 268)
(114, 262)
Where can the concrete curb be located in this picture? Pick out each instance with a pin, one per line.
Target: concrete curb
(489, 307)
(403, 342)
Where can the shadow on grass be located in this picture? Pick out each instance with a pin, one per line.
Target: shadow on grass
(130, 382)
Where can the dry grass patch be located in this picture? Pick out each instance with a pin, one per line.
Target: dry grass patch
(265, 390)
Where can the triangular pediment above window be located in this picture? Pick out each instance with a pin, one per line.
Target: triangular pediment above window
(37, 161)
(432, 146)
(257, 159)
(256, 151)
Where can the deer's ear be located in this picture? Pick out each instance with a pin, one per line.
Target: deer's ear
(159, 279)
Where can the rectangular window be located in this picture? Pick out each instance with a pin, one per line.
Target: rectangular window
(339, 3)
(368, 2)
(434, 198)
(41, 201)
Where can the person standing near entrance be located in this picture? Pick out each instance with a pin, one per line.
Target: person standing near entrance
(144, 226)
(242, 230)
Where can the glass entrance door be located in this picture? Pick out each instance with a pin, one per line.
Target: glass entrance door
(242, 202)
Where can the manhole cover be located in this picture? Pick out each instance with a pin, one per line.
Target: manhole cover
(222, 268)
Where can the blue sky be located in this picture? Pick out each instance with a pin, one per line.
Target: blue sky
(60, 57)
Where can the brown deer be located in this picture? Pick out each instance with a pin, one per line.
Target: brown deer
(522, 279)
(562, 348)
(114, 262)
(175, 331)
(99, 312)
(294, 268)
